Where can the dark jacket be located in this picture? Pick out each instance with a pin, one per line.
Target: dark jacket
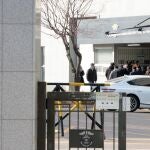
(81, 76)
(92, 75)
(108, 71)
(139, 72)
(122, 72)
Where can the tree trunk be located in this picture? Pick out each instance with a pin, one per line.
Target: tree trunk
(77, 79)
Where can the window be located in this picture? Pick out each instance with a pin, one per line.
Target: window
(103, 55)
(140, 82)
(119, 79)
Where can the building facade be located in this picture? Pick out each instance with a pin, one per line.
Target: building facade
(116, 40)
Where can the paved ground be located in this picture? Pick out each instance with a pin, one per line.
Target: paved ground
(138, 130)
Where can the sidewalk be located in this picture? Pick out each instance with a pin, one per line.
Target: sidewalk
(132, 144)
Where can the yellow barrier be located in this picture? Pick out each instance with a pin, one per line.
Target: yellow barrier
(76, 84)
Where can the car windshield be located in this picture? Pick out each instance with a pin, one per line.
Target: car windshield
(119, 79)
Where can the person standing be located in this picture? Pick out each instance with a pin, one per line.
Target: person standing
(81, 75)
(123, 70)
(147, 70)
(81, 78)
(109, 70)
(113, 73)
(92, 74)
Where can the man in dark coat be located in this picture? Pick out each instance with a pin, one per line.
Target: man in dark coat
(109, 70)
(92, 74)
(123, 70)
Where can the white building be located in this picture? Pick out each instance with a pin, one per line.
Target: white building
(116, 40)
(57, 69)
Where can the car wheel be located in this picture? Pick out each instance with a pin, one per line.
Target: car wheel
(134, 102)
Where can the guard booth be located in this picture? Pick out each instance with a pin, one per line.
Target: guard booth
(75, 120)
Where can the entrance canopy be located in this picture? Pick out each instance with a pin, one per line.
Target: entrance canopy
(114, 30)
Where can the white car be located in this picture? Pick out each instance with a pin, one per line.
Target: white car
(135, 86)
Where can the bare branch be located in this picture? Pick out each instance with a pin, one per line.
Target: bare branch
(62, 17)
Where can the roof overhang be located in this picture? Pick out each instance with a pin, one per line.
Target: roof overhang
(114, 30)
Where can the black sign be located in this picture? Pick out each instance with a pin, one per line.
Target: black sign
(86, 138)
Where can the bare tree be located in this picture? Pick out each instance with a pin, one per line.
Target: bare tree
(63, 17)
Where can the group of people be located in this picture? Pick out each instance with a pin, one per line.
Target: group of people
(130, 68)
(114, 71)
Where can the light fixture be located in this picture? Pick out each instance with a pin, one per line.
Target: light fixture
(136, 44)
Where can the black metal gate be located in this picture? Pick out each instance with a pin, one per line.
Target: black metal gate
(70, 120)
(74, 111)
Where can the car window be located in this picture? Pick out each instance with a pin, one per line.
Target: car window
(140, 82)
(119, 79)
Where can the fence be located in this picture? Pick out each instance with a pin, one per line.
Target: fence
(62, 106)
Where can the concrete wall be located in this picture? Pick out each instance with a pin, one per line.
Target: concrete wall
(19, 73)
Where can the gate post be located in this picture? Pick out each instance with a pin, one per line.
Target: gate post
(41, 115)
(50, 124)
(121, 124)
